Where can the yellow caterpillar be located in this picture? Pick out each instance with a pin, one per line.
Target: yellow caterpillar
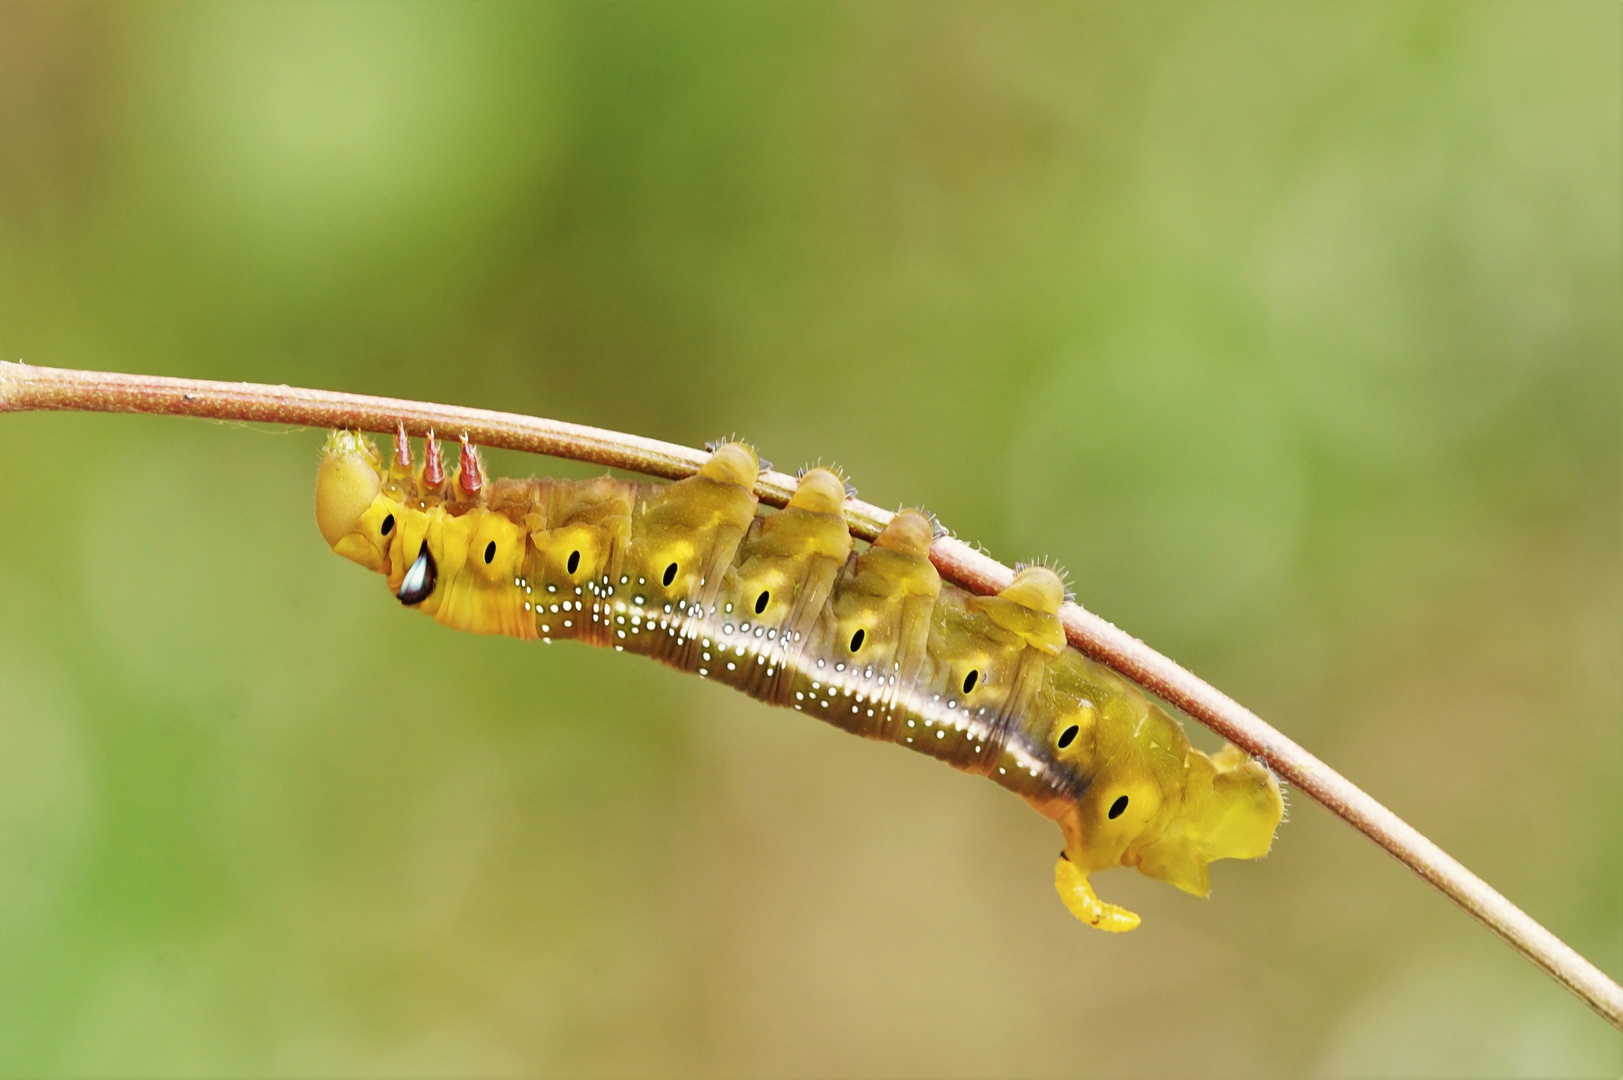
(783, 607)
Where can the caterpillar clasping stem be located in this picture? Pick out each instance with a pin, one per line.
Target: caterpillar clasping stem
(1226, 812)
(782, 606)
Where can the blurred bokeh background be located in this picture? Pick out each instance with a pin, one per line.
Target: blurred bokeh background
(1292, 330)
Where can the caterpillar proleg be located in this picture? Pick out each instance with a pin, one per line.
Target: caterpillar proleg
(784, 607)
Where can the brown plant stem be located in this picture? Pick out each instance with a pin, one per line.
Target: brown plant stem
(23, 388)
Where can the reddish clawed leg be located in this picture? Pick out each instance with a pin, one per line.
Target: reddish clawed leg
(402, 449)
(433, 470)
(470, 477)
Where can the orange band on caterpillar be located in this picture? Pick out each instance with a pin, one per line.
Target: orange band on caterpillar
(783, 606)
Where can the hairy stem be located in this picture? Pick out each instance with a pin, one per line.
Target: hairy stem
(23, 388)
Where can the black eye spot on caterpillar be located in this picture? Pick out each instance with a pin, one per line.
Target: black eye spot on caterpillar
(419, 580)
(574, 562)
(761, 602)
(1067, 737)
(388, 525)
(1118, 808)
(969, 680)
(490, 553)
(670, 575)
(856, 639)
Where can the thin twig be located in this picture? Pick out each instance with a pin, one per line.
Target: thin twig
(23, 387)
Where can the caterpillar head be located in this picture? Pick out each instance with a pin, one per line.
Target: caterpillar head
(349, 512)
(1160, 805)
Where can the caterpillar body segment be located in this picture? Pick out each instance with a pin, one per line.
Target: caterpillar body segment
(784, 607)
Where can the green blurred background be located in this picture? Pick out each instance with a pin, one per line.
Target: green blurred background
(1293, 330)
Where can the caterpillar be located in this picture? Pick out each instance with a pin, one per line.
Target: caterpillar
(782, 606)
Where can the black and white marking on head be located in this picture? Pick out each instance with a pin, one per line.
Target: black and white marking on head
(419, 581)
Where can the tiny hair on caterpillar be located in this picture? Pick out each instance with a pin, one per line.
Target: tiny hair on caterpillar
(783, 606)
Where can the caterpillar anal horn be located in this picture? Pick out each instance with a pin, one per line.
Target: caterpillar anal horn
(419, 580)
